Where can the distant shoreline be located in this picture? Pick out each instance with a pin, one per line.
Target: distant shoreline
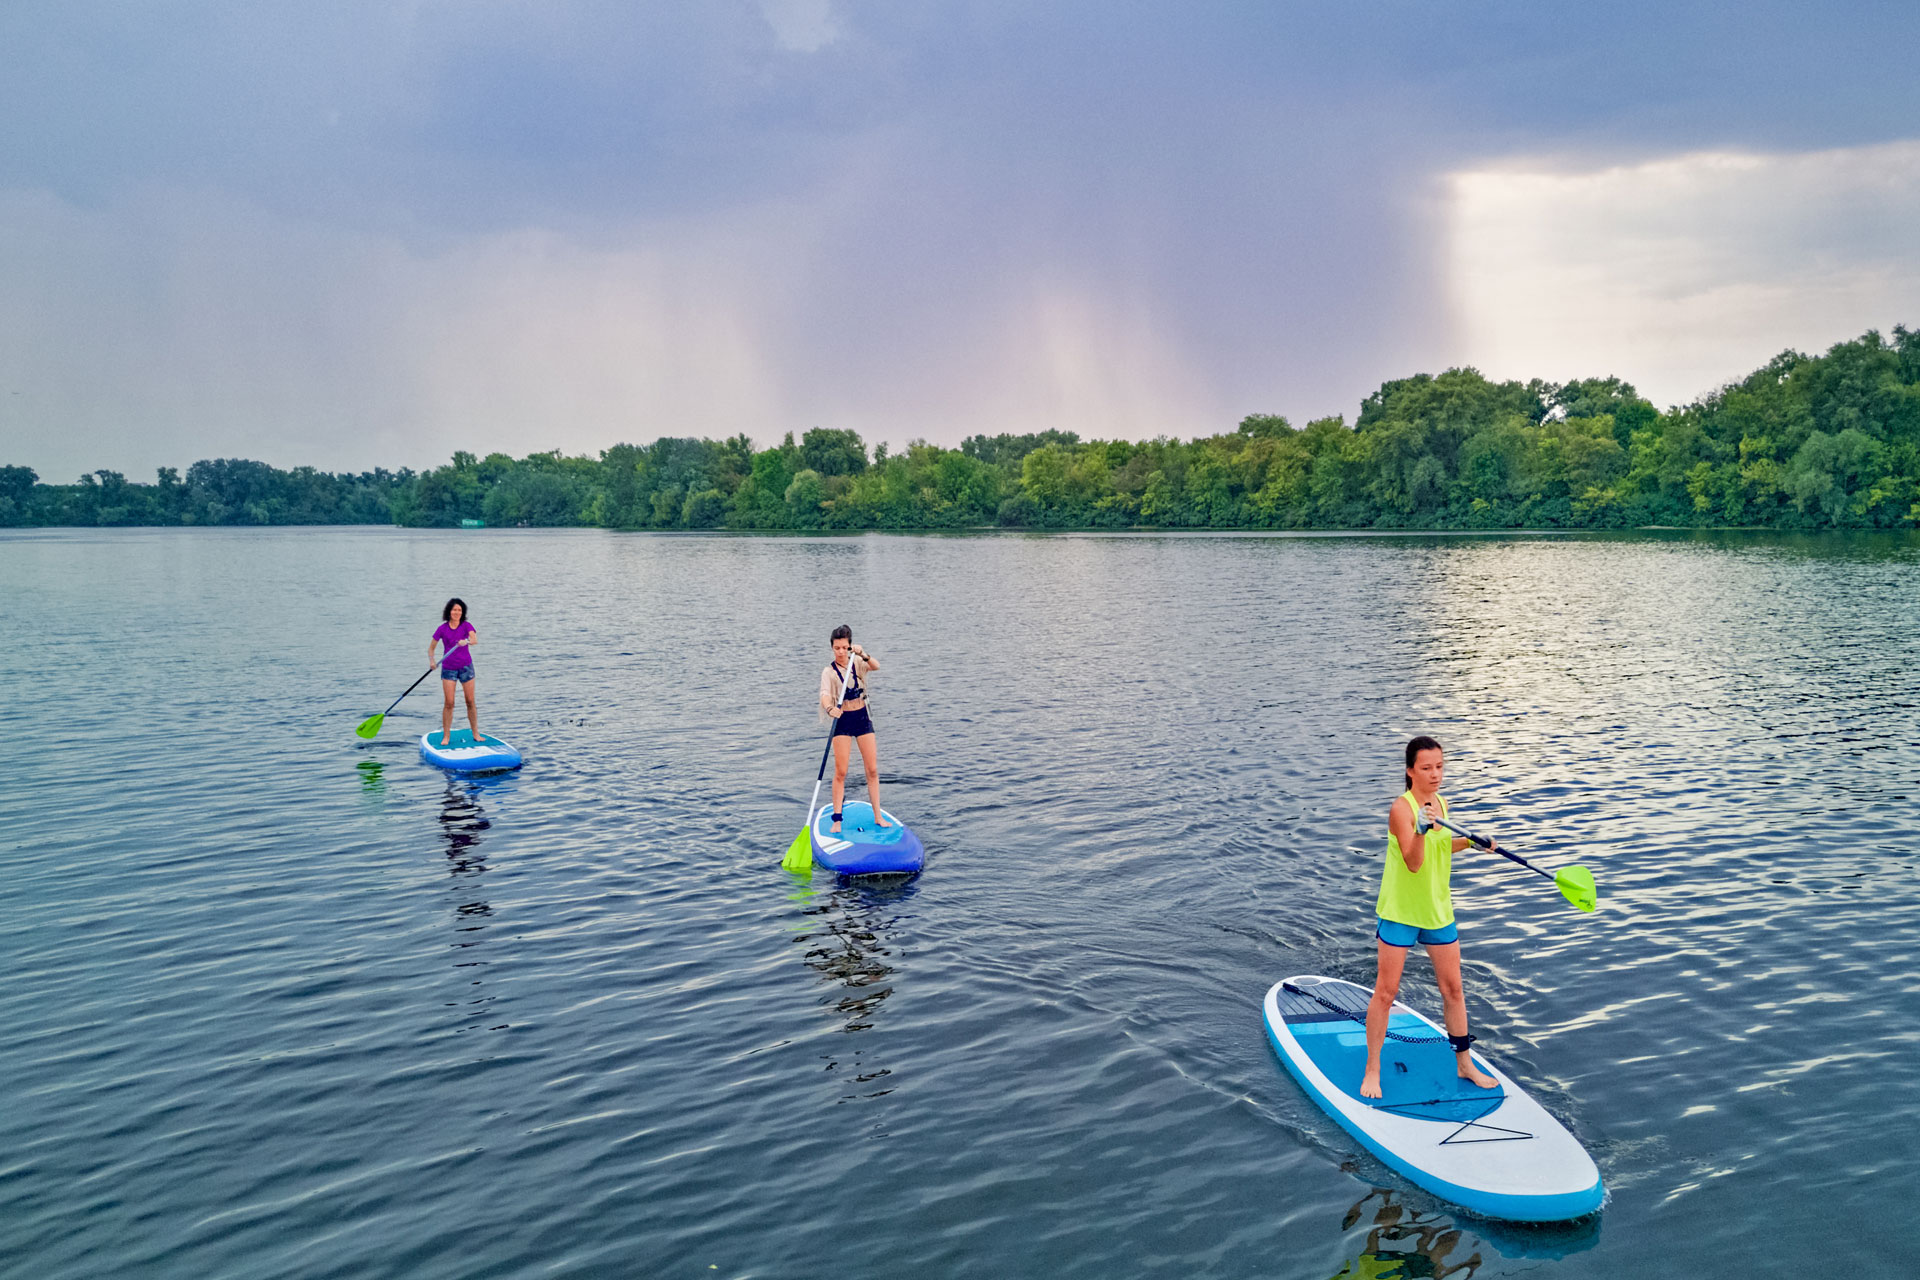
(1803, 444)
(995, 531)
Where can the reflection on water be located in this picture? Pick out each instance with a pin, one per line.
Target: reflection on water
(228, 1056)
(463, 824)
(462, 820)
(1403, 1240)
(849, 930)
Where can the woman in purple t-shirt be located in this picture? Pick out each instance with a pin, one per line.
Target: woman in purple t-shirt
(456, 665)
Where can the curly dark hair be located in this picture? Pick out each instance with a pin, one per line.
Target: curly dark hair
(446, 613)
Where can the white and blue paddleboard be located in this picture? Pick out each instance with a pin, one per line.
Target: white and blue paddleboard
(466, 755)
(1494, 1152)
(860, 848)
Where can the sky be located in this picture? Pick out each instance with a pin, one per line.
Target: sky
(368, 234)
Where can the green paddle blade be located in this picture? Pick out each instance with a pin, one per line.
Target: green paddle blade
(800, 852)
(371, 725)
(1576, 883)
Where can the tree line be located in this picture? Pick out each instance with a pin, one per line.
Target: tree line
(1804, 442)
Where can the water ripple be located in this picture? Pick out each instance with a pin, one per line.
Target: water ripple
(283, 1003)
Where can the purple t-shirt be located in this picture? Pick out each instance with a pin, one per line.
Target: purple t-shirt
(451, 636)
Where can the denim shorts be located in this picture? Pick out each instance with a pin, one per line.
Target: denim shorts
(1395, 934)
(460, 674)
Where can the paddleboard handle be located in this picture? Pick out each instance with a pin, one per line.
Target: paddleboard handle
(1359, 1016)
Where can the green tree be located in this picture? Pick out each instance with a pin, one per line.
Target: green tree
(805, 500)
(1831, 474)
(1009, 450)
(704, 509)
(833, 453)
(761, 500)
(17, 483)
(1265, 425)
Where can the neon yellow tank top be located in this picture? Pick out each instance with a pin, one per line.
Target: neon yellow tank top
(1423, 898)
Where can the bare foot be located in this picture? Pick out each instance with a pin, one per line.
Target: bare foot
(1370, 1085)
(446, 737)
(1470, 1072)
(880, 821)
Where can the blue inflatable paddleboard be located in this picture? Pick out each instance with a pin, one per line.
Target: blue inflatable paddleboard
(862, 849)
(465, 755)
(1494, 1152)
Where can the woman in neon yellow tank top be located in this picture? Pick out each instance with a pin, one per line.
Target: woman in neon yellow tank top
(1416, 905)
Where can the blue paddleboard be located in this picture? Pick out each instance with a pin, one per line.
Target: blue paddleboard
(467, 756)
(862, 849)
(1494, 1152)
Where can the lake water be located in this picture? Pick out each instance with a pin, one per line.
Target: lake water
(280, 1003)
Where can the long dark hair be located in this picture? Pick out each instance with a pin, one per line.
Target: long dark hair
(466, 614)
(1414, 748)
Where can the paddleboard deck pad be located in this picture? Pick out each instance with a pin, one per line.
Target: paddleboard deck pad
(1495, 1152)
(466, 755)
(860, 848)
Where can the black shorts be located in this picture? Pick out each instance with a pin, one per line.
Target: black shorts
(852, 724)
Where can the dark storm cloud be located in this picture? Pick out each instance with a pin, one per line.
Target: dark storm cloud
(507, 111)
(1257, 181)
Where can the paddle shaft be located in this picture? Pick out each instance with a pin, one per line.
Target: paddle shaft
(1484, 843)
(828, 749)
(416, 684)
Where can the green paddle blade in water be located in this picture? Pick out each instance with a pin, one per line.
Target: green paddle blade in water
(800, 852)
(1576, 883)
(371, 725)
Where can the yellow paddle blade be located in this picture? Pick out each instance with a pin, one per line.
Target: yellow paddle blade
(1576, 883)
(371, 725)
(800, 852)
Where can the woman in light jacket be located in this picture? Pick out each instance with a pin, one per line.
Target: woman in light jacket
(851, 723)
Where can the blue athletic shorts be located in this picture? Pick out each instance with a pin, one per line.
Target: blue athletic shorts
(1395, 934)
(460, 675)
